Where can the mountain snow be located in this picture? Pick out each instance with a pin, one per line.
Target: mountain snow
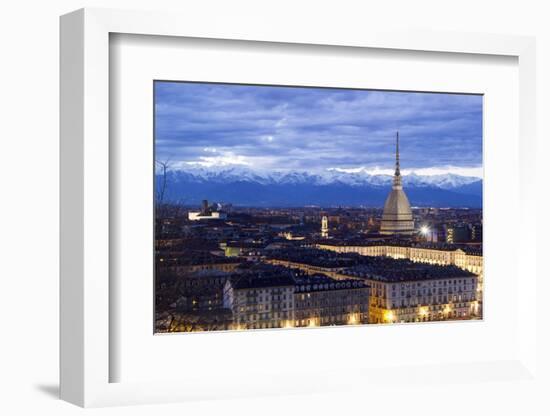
(232, 174)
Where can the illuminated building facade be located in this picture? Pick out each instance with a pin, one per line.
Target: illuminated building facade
(324, 227)
(397, 218)
(207, 213)
(423, 299)
(469, 259)
(321, 301)
(276, 297)
(407, 291)
(260, 302)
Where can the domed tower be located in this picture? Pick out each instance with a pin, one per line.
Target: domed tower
(397, 217)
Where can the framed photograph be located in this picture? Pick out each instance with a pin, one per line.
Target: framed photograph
(274, 212)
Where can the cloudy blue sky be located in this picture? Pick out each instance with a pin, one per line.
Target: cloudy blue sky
(314, 129)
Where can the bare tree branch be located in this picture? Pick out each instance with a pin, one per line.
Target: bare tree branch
(162, 191)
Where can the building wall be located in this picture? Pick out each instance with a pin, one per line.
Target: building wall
(331, 307)
(259, 308)
(200, 292)
(429, 300)
(300, 306)
(198, 216)
(470, 262)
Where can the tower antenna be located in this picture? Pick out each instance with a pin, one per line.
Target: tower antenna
(397, 171)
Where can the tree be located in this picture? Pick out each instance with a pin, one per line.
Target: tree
(163, 207)
(161, 191)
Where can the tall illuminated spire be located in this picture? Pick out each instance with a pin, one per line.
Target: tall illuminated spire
(397, 176)
(397, 218)
(397, 171)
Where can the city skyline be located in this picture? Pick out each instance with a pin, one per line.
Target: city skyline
(267, 128)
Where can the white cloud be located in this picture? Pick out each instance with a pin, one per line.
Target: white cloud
(281, 123)
(224, 159)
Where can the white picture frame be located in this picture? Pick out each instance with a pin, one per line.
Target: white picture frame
(85, 201)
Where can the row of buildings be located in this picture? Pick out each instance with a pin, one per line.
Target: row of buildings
(288, 298)
(401, 290)
(259, 296)
(347, 289)
(465, 257)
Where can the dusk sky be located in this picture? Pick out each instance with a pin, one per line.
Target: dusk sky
(315, 129)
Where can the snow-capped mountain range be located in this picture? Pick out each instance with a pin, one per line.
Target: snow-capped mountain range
(245, 186)
(359, 177)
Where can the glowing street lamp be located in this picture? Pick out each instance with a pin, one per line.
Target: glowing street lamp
(312, 323)
(389, 316)
(353, 319)
(288, 324)
(425, 230)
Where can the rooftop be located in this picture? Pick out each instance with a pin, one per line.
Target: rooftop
(256, 281)
(193, 258)
(386, 269)
(317, 283)
(319, 258)
(261, 276)
(375, 268)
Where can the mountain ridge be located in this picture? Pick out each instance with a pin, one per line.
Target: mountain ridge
(245, 186)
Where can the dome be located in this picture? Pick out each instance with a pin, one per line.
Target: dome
(397, 217)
